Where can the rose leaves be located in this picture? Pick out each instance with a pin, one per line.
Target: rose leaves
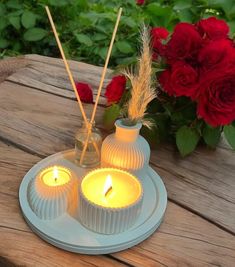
(229, 132)
(111, 114)
(186, 140)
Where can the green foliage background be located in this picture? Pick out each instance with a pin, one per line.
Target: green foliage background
(85, 26)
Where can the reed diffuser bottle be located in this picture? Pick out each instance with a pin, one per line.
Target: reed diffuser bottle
(91, 156)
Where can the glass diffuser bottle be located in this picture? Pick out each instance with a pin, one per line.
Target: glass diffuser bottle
(91, 157)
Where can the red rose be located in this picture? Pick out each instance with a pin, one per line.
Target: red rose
(115, 89)
(213, 28)
(184, 43)
(84, 92)
(216, 104)
(158, 34)
(217, 53)
(180, 80)
(140, 2)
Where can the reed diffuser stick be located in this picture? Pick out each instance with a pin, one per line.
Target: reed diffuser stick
(69, 74)
(101, 83)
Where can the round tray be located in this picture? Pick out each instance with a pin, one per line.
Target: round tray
(67, 233)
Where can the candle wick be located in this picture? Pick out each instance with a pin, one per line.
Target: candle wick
(56, 179)
(108, 191)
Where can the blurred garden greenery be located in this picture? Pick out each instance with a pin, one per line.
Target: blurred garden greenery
(85, 26)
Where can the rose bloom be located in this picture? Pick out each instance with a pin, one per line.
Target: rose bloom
(184, 44)
(115, 89)
(158, 34)
(140, 2)
(85, 92)
(216, 103)
(217, 53)
(180, 80)
(212, 28)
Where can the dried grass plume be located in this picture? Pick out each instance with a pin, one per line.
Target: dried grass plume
(142, 91)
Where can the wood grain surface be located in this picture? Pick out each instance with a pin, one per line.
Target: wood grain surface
(39, 117)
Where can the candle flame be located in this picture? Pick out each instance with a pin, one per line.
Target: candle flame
(107, 185)
(55, 173)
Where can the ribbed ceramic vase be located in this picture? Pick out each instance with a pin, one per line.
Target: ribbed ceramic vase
(126, 149)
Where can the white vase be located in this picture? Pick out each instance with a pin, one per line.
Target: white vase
(126, 149)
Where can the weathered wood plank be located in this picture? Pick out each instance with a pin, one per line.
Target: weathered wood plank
(48, 74)
(42, 122)
(11, 65)
(183, 237)
(26, 249)
(204, 182)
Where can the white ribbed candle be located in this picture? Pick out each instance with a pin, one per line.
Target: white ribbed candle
(110, 218)
(49, 202)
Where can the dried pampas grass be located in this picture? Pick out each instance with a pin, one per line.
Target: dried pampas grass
(142, 91)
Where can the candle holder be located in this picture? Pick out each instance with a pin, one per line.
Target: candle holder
(50, 197)
(110, 200)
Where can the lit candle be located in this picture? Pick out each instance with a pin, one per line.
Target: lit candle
(55, 176)
(53, 192)
(110, 200)
(124, 189)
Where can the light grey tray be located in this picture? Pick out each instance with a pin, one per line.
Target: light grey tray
(67, 233)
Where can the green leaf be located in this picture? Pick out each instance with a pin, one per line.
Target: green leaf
(2, 9)
(15, 22)
(28, 19)
(159, 132)
(129, 22)
(232, 26)
(3, 23)
(185, 15)
(124, 47)
(186, 140)
(159, 15)
(16, 46)
(182, 4)
(58, 2)
(177, 118)
(126, 60)
(15, 13)
(226, 5)
(14, 4)
(110, 115)
(229, 132)
(211, 136)
(3, 43)
(35, 34)
(83, 39)
(151, 135)
(82, 3)
(103, 52)
(99, 37)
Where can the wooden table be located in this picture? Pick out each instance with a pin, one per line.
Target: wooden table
(39, 116)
